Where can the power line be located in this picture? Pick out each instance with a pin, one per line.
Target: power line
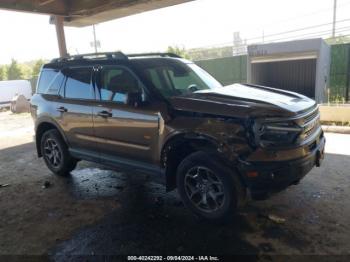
(245, 52)
(298, 37)
(281, 33)
(302, 36)
(318, 33)
(300, 29)
(306, 15)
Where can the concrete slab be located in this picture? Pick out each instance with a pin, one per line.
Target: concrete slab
(99, 211)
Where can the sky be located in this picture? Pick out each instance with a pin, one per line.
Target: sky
(201, 23)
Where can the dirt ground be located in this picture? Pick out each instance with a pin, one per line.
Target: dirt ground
(97, 211)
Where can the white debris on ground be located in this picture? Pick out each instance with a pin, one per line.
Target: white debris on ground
(15, 129)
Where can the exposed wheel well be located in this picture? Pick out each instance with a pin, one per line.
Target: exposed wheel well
(41, 129)
(178, 149)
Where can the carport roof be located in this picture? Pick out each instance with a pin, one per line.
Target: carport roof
(87, 12)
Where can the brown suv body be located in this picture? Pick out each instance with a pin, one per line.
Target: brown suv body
(270, 138)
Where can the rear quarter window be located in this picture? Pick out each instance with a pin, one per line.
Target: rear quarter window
(49, 82)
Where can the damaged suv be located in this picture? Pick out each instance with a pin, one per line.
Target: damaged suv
(164, 115)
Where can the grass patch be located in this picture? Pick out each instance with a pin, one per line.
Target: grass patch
(335, 123)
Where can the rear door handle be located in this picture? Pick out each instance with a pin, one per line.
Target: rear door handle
(62, 109)
(104, 114)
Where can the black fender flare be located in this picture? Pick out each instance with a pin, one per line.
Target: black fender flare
(176, 137)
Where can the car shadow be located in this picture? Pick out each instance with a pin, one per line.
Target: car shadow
(148, 221)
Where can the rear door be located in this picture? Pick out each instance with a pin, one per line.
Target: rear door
(122, 130)
(75, 106)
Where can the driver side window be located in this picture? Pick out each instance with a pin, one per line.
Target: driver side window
(172, 81)
(117, 83)
(181, 82)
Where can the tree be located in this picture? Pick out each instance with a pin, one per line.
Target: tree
(210, 53)
(27, 70)
(3, 73)
(178, 51)
(37, 66)
(14, 71)
(338, 40)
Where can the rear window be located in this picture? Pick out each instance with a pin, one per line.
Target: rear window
(50, 82)
(78, 84)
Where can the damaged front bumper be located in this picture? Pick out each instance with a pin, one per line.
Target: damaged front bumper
(263, 178)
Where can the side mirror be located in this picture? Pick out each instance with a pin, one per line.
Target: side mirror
(193, 87)
(134, 99)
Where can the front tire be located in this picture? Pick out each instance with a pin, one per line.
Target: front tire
(208, 187)
(55, 153)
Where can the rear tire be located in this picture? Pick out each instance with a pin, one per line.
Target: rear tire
(208, 187)
(55, 153)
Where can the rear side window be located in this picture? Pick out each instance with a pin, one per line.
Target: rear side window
(50, 82)
(78, 83)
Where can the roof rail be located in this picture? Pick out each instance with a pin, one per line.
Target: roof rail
(155, 54)
(107, 55)
(110, 55)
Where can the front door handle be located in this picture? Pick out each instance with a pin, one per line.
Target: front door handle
(62, 109)
(104, 114)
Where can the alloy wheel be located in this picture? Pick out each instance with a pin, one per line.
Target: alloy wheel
(204, 189)
(52, 152)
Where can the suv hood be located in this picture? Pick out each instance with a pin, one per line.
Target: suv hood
(243, 100)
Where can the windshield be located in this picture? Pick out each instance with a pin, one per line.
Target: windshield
(174, 77)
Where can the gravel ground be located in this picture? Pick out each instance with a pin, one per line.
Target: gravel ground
(99, 211)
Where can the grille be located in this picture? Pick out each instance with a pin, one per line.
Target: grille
(311, 117)
(311, 124)
(310, 131)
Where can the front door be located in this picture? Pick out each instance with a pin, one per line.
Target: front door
(123, 130)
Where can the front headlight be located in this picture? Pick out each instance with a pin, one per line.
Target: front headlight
(277, 133)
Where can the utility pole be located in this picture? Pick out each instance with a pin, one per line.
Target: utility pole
(334, 17)
(95, 42)
(263, 36)
(61, 39)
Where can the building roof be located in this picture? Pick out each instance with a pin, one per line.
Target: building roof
(80, 13)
